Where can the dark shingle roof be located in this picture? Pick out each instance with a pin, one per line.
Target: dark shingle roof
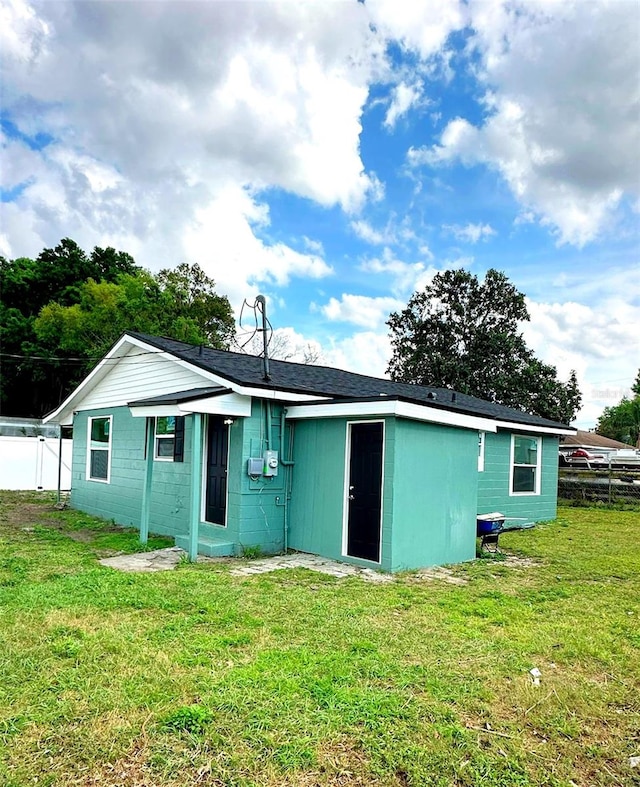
(248, 370)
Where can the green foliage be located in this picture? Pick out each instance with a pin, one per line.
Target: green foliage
(465, 334)
(622, 421)
(189, 718)
(61, 312)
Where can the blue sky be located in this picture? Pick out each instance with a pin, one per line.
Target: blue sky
(336, 155)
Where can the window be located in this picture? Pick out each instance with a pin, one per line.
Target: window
(525, 465)
(481, 437)
(169, 438)
(99, 454)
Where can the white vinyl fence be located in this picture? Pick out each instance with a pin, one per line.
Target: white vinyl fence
(32, 463)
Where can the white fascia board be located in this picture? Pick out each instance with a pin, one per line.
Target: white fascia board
(415, 412)
(155, 411)
(268, 393)
(516, 427)
(226, 404)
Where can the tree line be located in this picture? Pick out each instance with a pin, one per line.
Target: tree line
(62, 311)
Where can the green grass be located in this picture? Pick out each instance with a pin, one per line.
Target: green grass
(196, 676)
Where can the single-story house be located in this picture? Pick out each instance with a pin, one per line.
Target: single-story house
(215, 450)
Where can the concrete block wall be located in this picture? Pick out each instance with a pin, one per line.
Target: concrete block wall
(493, 482)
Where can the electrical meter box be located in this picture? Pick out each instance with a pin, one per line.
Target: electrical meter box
(270, 463)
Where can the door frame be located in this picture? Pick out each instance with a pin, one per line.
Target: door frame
(345, 493)
(203, 484)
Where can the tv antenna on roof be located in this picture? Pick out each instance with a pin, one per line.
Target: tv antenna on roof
(261, 304)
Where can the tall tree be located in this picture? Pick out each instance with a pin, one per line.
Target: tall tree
(61, 312)
(464, 334)
(622, 421)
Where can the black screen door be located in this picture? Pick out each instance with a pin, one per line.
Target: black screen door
(216, 471)
(365, 491)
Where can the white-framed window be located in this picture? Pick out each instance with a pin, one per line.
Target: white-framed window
(526, 457)
(99, 448)
(481, 439)
(165, 438)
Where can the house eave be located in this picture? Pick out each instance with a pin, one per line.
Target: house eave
(390, 407)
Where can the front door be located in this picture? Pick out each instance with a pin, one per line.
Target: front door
(364, 496)
(216, 471)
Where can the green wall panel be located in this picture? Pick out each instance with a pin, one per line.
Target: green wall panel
(121, 498)
(434, 495)
(493, 482)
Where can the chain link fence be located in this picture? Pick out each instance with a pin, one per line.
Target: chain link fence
(588, 487)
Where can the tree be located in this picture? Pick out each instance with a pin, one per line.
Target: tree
(61, 312)
(622, 421)
(190, 293)
(464, 334)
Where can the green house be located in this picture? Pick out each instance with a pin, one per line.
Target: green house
(205, 446)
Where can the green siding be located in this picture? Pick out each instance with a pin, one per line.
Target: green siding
(121, 499)
(493, 483)
(317, 498)
(255, 509)
(258, 505)
(434, 495)
(432, 490)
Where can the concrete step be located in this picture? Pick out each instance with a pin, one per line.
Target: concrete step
(208, 547)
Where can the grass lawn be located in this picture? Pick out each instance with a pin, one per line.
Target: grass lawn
(198, 677)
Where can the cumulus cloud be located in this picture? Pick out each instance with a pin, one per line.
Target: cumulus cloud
(365, 352)
(470, 233)
(360, 310)
(403, 98)
(147, 140)
(561, 121)
(601, 343)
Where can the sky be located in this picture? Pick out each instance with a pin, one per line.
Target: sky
(334, 155)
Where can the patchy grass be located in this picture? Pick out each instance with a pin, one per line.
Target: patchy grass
(295, 678)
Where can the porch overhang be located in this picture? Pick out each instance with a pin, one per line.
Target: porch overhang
(213, 401)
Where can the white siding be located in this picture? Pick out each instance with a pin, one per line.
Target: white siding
(140, 375)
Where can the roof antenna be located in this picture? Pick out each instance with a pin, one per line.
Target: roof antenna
(261, 300)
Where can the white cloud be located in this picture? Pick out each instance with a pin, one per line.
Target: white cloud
(365, 352)
(366, 232)
(360, 310)
(403, 276)
(222, 238)
(470, 233)
(562, 124)
(421, 27)
(403, 98)
(148, 133)
(595, 341)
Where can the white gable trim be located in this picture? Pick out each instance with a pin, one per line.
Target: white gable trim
(74, 402)
(416, 412)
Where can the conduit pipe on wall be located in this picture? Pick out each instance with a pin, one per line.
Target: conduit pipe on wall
(288, 471)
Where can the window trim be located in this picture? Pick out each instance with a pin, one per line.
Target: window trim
(156, 437)
(537, 466)
(482, 438)
(90, 421)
